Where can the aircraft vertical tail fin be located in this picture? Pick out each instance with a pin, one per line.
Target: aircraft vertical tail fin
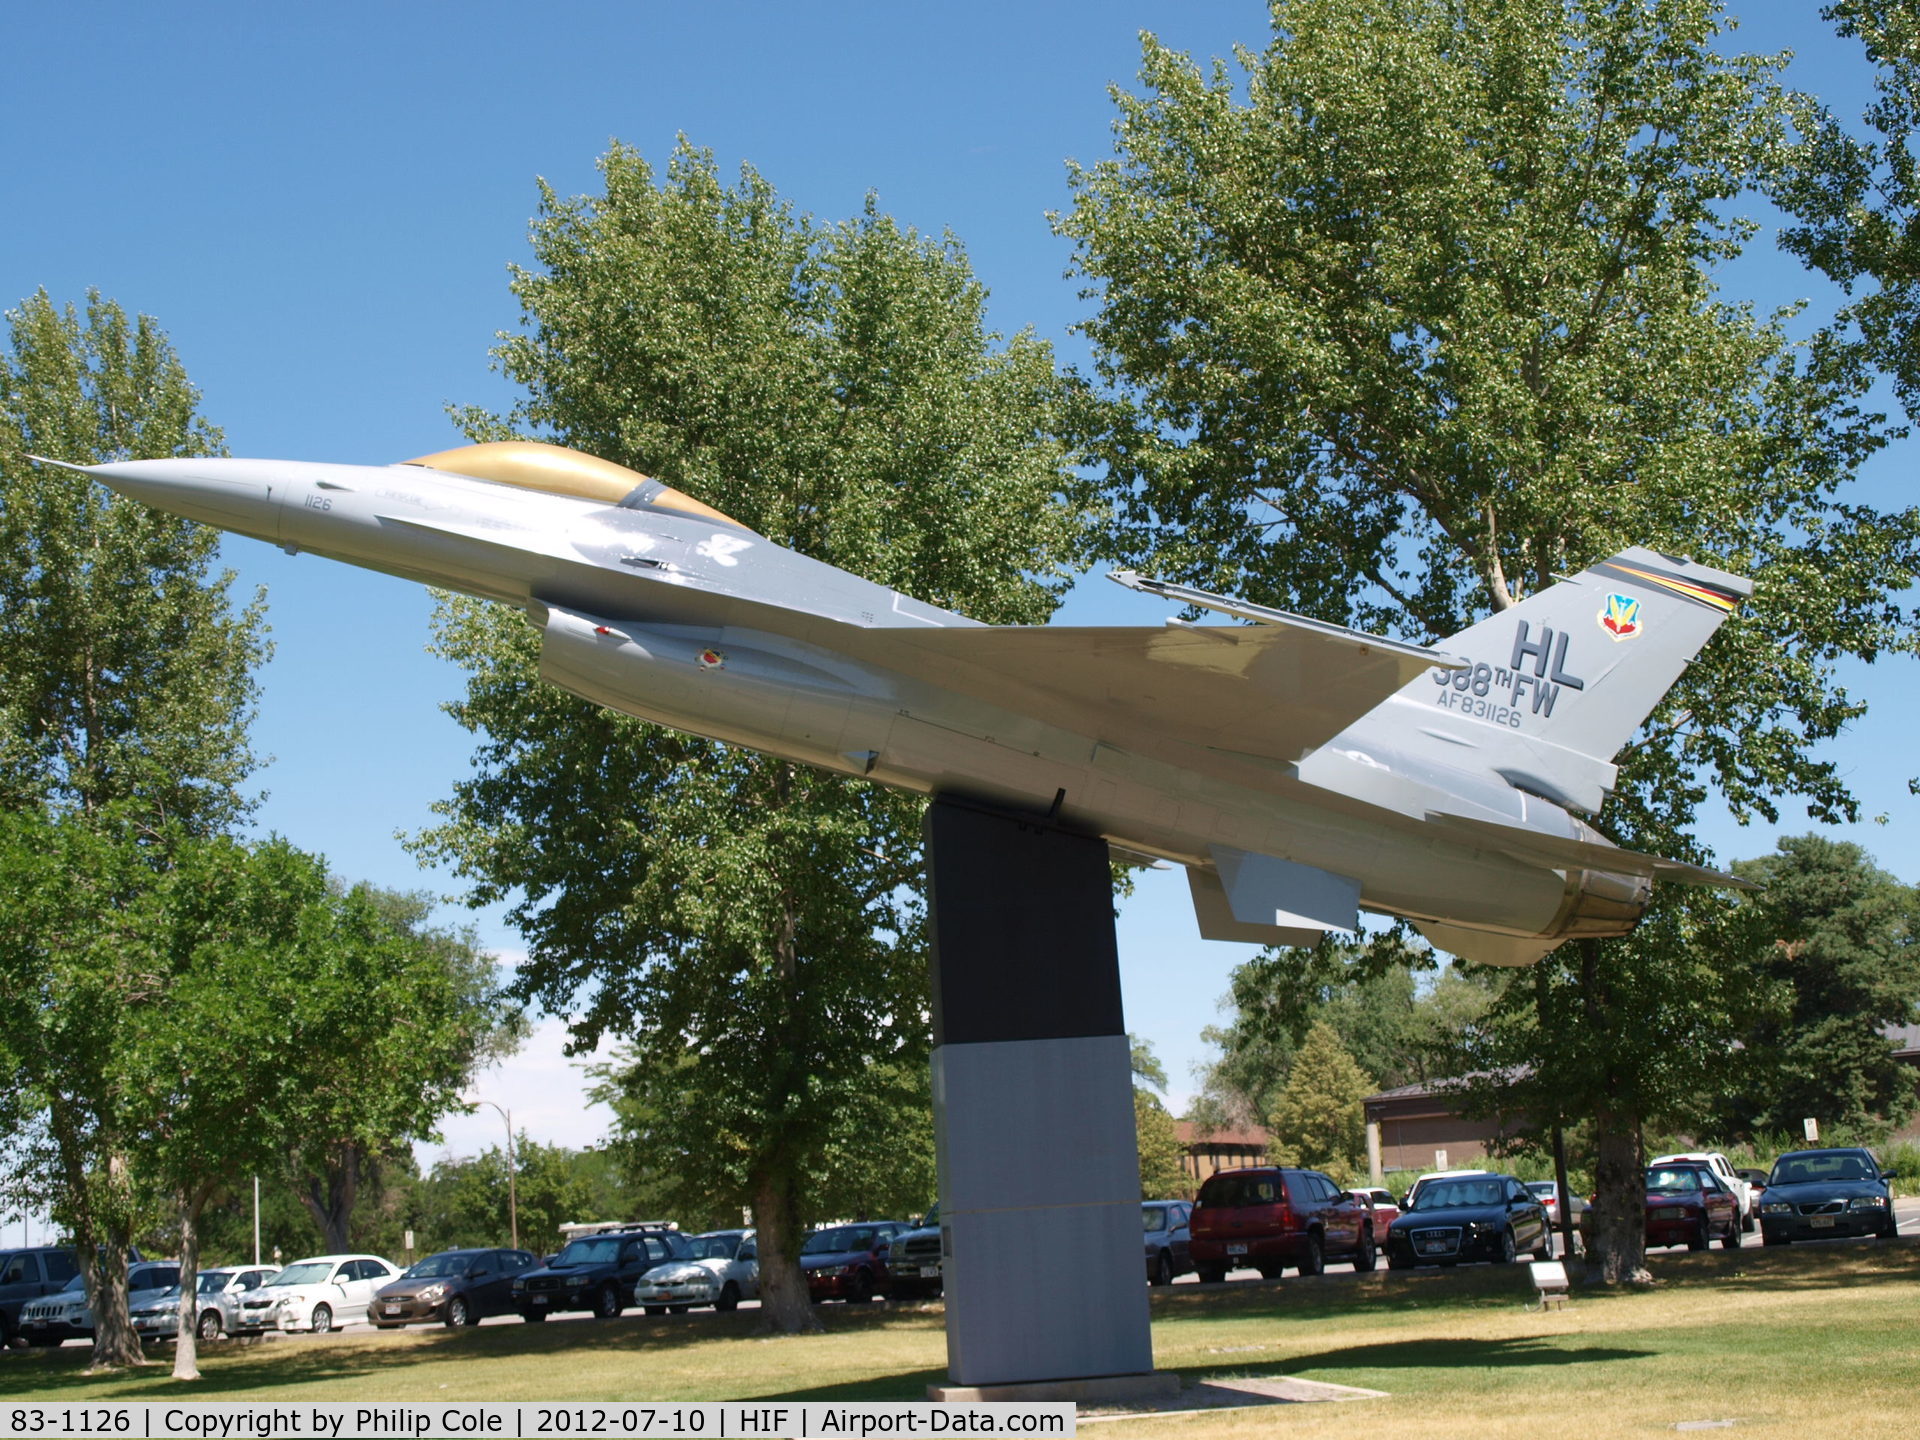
(1560, 682)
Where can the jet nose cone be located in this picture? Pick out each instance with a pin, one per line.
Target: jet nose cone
(237, 495)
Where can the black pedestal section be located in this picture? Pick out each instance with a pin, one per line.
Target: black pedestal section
(1032, 1105)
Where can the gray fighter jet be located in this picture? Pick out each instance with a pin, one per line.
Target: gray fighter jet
(1301, 772)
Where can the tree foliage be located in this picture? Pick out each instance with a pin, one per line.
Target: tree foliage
(1855, 196)
(1430, 316)
(1319, 1118)
(1831, 942)
(1395, 1012)
(125, 673)
(755, 930)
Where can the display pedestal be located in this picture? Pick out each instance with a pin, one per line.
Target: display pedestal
(1044, 1268)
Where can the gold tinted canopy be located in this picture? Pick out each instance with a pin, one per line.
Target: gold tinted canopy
(534, 465)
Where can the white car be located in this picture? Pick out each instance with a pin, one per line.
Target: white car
(316, 1294)
(1728, 1176)
(721, 1270)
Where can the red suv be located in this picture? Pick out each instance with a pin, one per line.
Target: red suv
(1270, 1218)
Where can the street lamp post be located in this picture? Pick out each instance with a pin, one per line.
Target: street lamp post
(513, 1202)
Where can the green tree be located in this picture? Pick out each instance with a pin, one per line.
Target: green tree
(125, 673)
(1833, 941)
(1163, 1171)
(1319, 1119)
(126, 688)
(1429, 317)
(1396, 1011)
(464, 1201)
(1855, 196)
(429, 1012)
(753, 929)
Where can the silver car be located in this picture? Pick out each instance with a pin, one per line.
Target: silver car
(218, 1290)
(1165, 1223)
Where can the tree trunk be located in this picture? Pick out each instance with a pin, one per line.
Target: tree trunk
(329, 1196)
(186, 1346)
(784, 1306)
(1617, 1253)
(1619, 1246)
(116, 1346)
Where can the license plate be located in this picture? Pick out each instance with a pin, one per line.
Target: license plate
(1236, 1248)
(393, 1309)
(1820, 1222)
(906, 1269)
(539, 1299)
(1434, 1247)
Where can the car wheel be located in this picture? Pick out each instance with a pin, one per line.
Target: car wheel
(1507, 1251)
(1163, 1269)
(859, 1288)
(1211, 1277)
(459, 1315)
(1731, 1240)
(1366, 1257)
(533, 1317)
(322, 1319)
(729, 1297)
(1747, 1223)
(1315, 1260)
(606, 1305)
(209, 1326)
(1698, 1240)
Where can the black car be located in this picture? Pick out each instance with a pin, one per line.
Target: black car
(1823, 1194)
(455, 1287)
(595, 1272)
(1468, 1217)
(913, 1259)
(27, 1275)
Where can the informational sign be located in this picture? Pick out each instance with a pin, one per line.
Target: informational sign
(1440, 1157)
(1812, 1127)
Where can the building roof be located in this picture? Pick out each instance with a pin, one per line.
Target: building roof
(1904, 1038)
(1188, 1133)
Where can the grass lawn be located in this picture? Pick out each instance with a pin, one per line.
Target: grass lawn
(1808, 1342)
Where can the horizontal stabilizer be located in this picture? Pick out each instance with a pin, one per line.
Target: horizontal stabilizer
(1555, 852)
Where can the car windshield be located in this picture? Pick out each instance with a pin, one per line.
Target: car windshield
(1453, 1194)
(1673, 1180)
(78, 1282)
(310, 1272)
(712, 1247)
(593, 1250)
(453, 1262)
(1805, 1169)
(840, 1237)
(1153, 1217)
(212, 1282)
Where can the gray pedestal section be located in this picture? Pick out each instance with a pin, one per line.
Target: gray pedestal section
(1032, 1106)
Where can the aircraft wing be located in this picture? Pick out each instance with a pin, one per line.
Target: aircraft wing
(1272, 690)
(1275, 690)
(1565, 853)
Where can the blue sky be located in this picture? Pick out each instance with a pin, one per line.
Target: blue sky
(319, 204)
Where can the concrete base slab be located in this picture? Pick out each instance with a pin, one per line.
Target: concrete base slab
(1142, 1390)
(1210, 1396)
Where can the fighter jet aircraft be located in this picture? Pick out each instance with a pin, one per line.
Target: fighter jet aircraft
(1300, 771)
